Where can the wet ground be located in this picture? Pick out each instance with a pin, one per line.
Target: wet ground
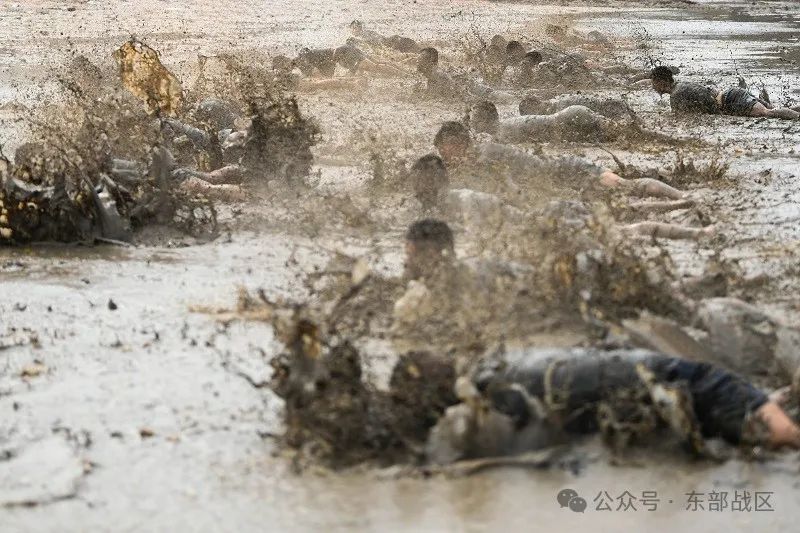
(124, 411)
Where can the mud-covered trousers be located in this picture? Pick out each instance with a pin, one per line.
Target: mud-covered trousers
(576, 381)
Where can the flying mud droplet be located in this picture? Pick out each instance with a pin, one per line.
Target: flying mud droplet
(148, 79)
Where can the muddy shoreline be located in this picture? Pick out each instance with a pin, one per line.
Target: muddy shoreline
(146, 417)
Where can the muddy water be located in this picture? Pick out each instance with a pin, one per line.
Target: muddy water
(721, 42)
(140, 415)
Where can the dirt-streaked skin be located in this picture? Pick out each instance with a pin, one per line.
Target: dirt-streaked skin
(158, 403)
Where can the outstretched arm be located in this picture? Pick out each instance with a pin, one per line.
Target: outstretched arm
(781, 429)
(641, 187)
(381, 68)
(659, 206)
(311, 85)
(226, 192)
(726, 405)
(667, 231)
(229, 174)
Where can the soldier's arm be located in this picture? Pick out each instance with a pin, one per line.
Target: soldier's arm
(667, 231)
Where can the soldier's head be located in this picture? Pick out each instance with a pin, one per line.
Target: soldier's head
(531, 59)
(305, 61)
(429, 246)
(515, 52)
(452, 141)
(357, 27)
(531, 105)
(496, 51)
(428, 61)
(484, 118)
(663, 79)
(430, 180)
(498, 41)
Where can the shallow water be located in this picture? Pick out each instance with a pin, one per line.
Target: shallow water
(156, 402)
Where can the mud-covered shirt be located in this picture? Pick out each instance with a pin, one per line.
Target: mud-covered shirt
(443, 85)
(462, 304)
(497, 168)
(689, 97)
(478, 211)
(608, 107)
(517, 76)
(574, 123)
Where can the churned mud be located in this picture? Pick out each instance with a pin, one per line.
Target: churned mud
(136, 385)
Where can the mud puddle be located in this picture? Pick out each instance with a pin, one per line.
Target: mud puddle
(163, 410)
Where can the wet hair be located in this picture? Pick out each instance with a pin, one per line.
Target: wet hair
(427, 60)
(484, 117)
(431, 232)
(662, 73)
(429, 55)
(533, 58)
(531, 105)
(449, 132)
(515, 51)
(348, 56)
(428, 179)
(498, 41)
(496, 51)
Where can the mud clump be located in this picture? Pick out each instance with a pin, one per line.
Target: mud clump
(326, 402)
(280, 139)
(48, 195)
(142, 72)
(421, 388)
(335, 416)
(334, 413)
(586, 265)
(612, 281)
(109, 169)
(39, 215)
(72, 205)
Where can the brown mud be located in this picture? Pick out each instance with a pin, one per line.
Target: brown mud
(143, 415)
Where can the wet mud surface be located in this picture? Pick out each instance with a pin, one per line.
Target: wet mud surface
(122, 409)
